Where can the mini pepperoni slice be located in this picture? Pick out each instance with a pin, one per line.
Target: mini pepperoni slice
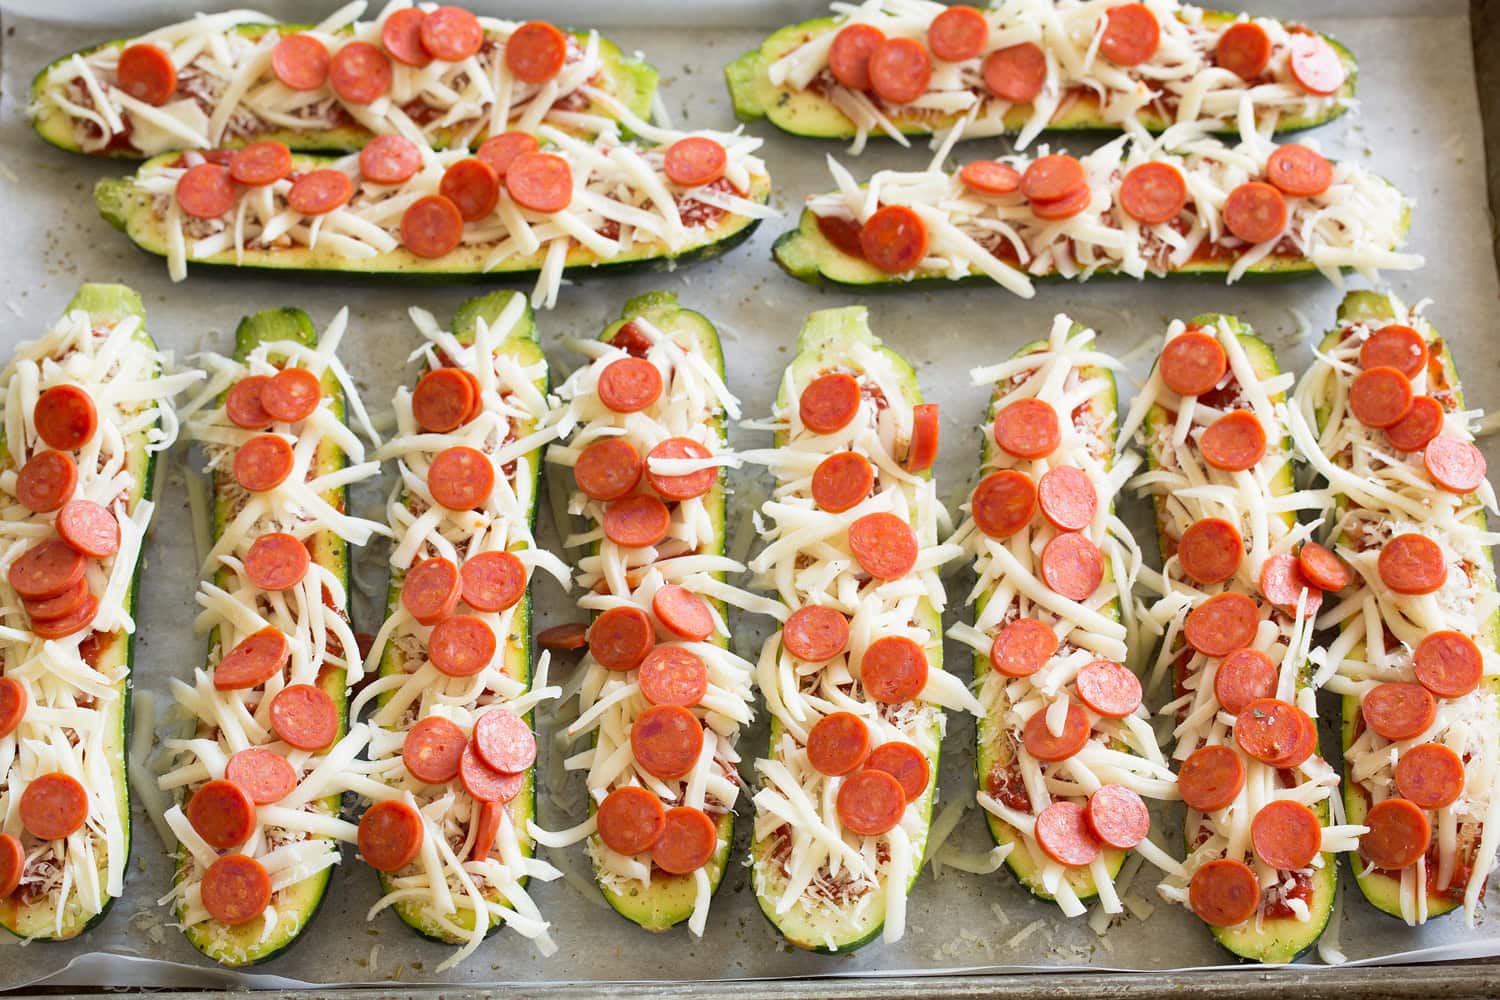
(432, 227)
(1065, 207)
(1420, 424)
(541, 182)
(471, 185)
(884, 545)
(1192, 363)
(1131, 34)
(1048, 748)
(608, 469)
(1244, 676)
(1322, 568)
(65, 417)
(841, 481)
(1448, 664)
(360, 73)
(1210, 550)
(893, 669)
(1067, 498)
(682, 612)
(630, 820)
(265, 775)
(894, 239)
(1274, 732)
(206, 191)
(1255, 212)
(64, 605)
(1224, 892)
(146, 73)
(484, 783)
(432, 750)
(442, 399)
(666, 741)
(47, 569)
(671, 675)
(1072, 566)
(236, 889)
(1063, 834)
(390, 159)
(451, 33)
(70, 624)
(319, 192)
(1049, 178)
(478, 407)
(263, 463)
(1430, 775)
(621, 637)
(261, 163)
(629, 385)
(694, 161)
(242, 404)
(1454, 465)
(563, 638)
(687, 842)
(990, 177)
(1379, 397)
(1286, 835)
(1399, 835)
(292, 394)
(1412, 564)
(499, 151)
(390, 835)
(1315, 65)
(1108, 688)
(1028, 428)
(958, 33)
(1398, 710)
(922, 450)
(430, 590)
(535, 52)
(461, 645)
(1003, 503)
(304, 716)
(829, 402)
(1233, 442)
(1022, 648)
(13, 702)
(504, 741)
(815, 633)
(1394, 346)
(686, 486)
(46, 481)
(461, 478)
(1298, 171)
(1016, 73)
(1117, 817)
(1282, 584)
(254, 660)
(493, 581)
(637, 521)
(300, 62)
(1244, 49)
(53, 806)
(12, 863)
(905, 763)
(222, 814)
(277, 561)
(485, 827)
(401, 34)
(1221, 624)
(1153, 193)
(849, 55)
(870, 802)
(900, 70)
(1211, 778)
(838, 744)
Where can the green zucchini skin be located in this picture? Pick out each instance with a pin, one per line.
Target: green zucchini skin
(525, 346)
(241, 946)
(669, 899)
(810, 115)
(1382, 891)
(827, 339)
(108, 304)
(986, 745)
(629, 80)
(1279, 939)
(127, 207)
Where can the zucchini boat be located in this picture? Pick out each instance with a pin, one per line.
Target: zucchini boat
(1237, 618)
(232, 79)
(853, 680)
(451, 782)
(1420, 733)
(1201, 208)
(1022, 68)
(1063, 789)
(662, 820)
(573, 208)
(258, 780)
(86, 409)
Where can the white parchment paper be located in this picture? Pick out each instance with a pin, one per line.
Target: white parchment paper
(1418, 125)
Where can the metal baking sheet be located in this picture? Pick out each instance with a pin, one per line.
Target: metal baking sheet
(1418, 125)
